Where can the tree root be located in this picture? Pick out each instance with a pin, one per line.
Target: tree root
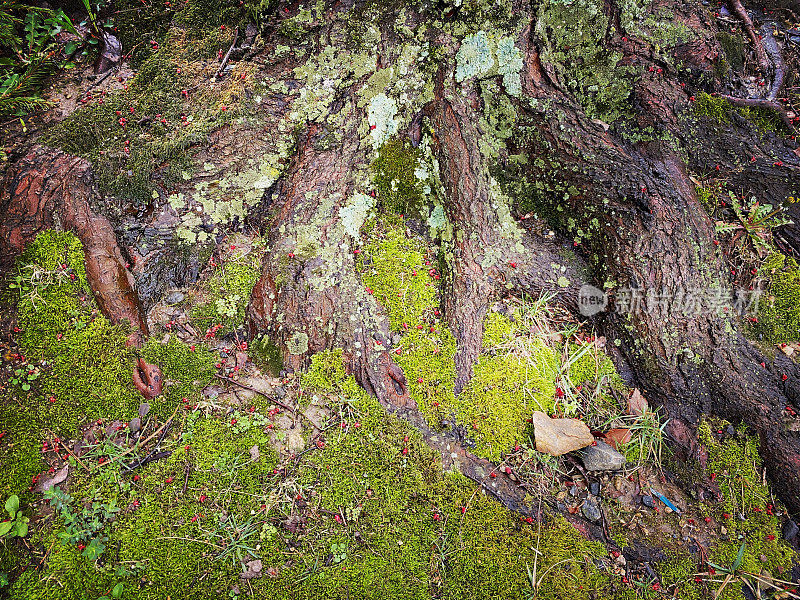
(48, 188)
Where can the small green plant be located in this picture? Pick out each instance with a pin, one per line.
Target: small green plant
(233, 538)
(17, 524)
(83, 529)
(24, 376)
(116, 592)
(756, 219)
(28, 42)
(339, 552)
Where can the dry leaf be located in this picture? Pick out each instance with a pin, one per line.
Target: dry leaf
(637, 404)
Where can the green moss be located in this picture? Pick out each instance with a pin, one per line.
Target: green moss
(513, 378)
(410, 524)
(712, 107)
(395, 268)
(267, 355)
(734, 49)
(186, 371)
(746, 508)
(398, 176)
(719, 110)
(146, 120)
(779, 309)
(677, 573)
(225, 294)
(84, 362)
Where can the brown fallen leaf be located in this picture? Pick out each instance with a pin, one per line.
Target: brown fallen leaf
(59, 477)
(617, 437)
(148, 379)
(637, 404)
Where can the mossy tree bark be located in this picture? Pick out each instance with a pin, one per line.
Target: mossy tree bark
(648, 230)
(625, 186)
(48, 188)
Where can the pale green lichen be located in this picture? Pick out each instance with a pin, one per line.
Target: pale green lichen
(355, 212)
(475, 57)
(297, 344)
(381, 116)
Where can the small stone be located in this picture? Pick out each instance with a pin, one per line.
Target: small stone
(559, 436)
(175, 297)
(602, 457)
(790, 530)
(648, 501)
(594, 488)
(591, 510)
(144, 408)
(135, 424)
(280, 392)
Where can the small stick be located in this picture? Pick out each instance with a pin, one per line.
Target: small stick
(70, 452)
(154, 434)
(761, 55)
(227, 56)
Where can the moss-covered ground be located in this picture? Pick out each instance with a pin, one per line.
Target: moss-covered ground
(367, 511)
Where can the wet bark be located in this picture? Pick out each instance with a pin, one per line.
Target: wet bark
(50, 189)
(653, 236)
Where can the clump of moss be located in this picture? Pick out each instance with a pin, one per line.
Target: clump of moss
(719, 110)
(746, 508)
(267, 355)
(403, 280)
(514, 377)
(397, 176)
(84, 362)
(142, 135)
(225, 294)
(779, 309)
(734, 49)
(186, 369)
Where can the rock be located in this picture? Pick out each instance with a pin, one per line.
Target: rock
(255, 453)
(790, 530)
(144, 408)
(602, 457)
(591, 510)
(559, 436)
(175, 297)
(648, 501)
(594, 488)
(135, 424)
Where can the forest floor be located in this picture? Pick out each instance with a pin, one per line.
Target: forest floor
(245, 478)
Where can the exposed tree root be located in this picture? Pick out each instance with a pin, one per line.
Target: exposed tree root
(48, 188)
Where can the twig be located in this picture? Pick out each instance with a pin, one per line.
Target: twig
(771, 46)
(188, 469)
(227, 56)
(70, 452)
(761, 103)
(761, 55)
(252, 389)
(142, 443)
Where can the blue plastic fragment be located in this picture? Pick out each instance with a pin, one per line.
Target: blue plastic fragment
(665, 500)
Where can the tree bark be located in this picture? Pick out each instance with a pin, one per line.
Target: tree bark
(50, 189)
